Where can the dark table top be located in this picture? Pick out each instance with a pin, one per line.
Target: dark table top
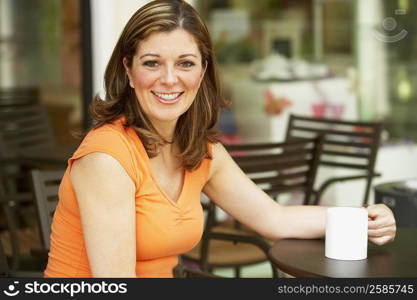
(305, 258)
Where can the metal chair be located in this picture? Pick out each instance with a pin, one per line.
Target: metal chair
(5, 271)
(26, 142)
(46, 186)
(17, 96)
(4, 266)
(276, 168)
(26, 134)
(346, 144)
(17, 209)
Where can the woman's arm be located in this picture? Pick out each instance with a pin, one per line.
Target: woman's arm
(235, 193)
(106, 197)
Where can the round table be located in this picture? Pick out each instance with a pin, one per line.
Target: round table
(305, 258)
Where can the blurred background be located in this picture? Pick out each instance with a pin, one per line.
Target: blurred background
(341, 59)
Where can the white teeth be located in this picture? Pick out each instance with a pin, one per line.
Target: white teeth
(167, 96)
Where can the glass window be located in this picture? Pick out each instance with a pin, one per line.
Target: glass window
(368, 45)
(40, 59)
(399, 28)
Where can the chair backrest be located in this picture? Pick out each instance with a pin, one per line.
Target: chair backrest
(13, 200)
(346, 144)
(46, 186)
(24, 126)
(16, 96)
(280, 167)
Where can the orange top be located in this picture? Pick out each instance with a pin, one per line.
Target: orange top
(164, 229)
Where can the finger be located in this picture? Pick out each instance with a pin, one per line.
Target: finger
(381, 222)
(381, 240)
(381, 232)
(376, 210)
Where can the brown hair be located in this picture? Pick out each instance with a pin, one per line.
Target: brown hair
(196, 127)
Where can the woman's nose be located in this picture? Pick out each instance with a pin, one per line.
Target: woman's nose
(169, 76)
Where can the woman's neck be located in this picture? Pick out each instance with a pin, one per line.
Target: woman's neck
(168, 156)
(166, 130)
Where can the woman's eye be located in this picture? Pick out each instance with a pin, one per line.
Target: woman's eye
(150, 63)
(187, 64)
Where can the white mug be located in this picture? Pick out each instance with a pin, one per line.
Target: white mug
(346, 233)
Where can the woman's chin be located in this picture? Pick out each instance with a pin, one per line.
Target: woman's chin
(166, 118)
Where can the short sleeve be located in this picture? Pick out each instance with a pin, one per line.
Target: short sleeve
(111, 142)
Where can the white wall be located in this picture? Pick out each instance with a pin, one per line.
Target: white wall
(108, 18)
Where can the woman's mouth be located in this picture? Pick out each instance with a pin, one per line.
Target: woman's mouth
(167, 98)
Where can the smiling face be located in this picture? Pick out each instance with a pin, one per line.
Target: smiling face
(166, 73)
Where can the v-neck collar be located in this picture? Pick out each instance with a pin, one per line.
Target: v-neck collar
(142, 149)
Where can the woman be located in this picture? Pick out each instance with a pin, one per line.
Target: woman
(129, 200)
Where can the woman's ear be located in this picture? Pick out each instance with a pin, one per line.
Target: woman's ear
(127, 69)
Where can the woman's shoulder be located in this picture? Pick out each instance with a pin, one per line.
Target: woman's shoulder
(107, 134)
(218, 155)
(217, 150)
(112, 140)
(115, 128)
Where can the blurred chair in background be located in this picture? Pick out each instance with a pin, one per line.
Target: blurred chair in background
(4, 266)
(20, 231)
(26, 142)
(26, 133)
(18, 96)
(346, 145)
(5, 271)
(46, 187)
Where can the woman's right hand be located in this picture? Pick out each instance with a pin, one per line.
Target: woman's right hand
(381, 226)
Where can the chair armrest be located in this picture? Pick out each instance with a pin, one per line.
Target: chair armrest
(331, 181)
